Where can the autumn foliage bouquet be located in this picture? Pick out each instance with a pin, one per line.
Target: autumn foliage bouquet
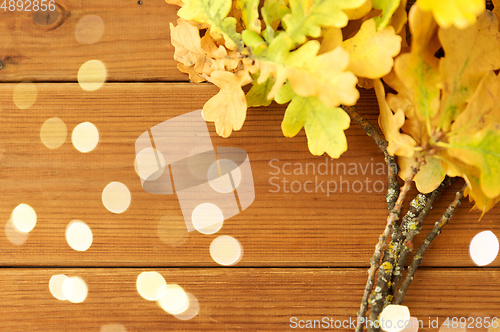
(443, 121)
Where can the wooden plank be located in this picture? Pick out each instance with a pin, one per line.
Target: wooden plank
(235, 299)
(280, 228)
(135, 43)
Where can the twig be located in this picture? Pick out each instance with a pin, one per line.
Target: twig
(392, 176)
(376, 302)
(389, 268)
(393, 197)
(412, 226)
(425, 245)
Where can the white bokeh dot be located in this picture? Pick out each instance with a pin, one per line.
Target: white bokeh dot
(484, 248)
(24, 218)
(79, 235)
(226, 250)
(85, 137)
(151, 285)
(116, 197)
(207, 218)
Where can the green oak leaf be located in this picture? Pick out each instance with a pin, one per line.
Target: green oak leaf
(324, 126)
(213, 13)
(272, 13)
(481, 150)
(307, 17)
(469, 54)
(388, 8)
(250, 14)
(257, 95)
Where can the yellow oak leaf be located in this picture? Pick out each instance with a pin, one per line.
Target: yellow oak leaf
(429, 176)
(459, 13)
(179, 3)
(227, 109)
(323, 75)
(399, 18)
(186, 40)
(455, 167)
(417, 72)
(324, 126)
(332, 38)
(193, 74)
(214, 13)
(496, 9)
(388, 7)
(307, 17)
(483, 107)
(272, 63)
(399, 144)
(357, 13)
(469, 55)
(371, 52)
(200, 55)
(481, 150)
(249, 14)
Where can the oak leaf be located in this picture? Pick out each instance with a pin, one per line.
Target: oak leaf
(471, 175)
(323, 75)
(249, 14)
(388, 7)
(429, 176)
(324, 126)
(179, 3)
(227, 109)
(399, 143)
(214, 13)
(257, 95)
(417, 72)
(371, 52)
(469, 55)
(307, 17)
(459, 13)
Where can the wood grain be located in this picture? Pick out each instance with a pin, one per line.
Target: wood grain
(281, 228)
(135, 45)
(234, 298)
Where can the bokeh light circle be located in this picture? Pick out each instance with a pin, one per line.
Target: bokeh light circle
(226, 250)
(79, 235)
(116, 197)
(207, 218)
(85, 137)
(24, 218)
(53, 133)
(175, 301)
(224, 176)
(56, 286)
(92, 75)
(484, 248)
(25, 95)
(75, 289)
(151, 285)
(89, 29)
(149, 164)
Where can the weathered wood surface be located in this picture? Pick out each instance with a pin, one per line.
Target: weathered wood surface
(281, 228)
(235, 299)
(135, 45)
(304, 254)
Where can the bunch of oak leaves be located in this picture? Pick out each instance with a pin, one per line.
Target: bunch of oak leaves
(444, 119)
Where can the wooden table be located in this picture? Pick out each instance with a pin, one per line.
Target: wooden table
(305, 254)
